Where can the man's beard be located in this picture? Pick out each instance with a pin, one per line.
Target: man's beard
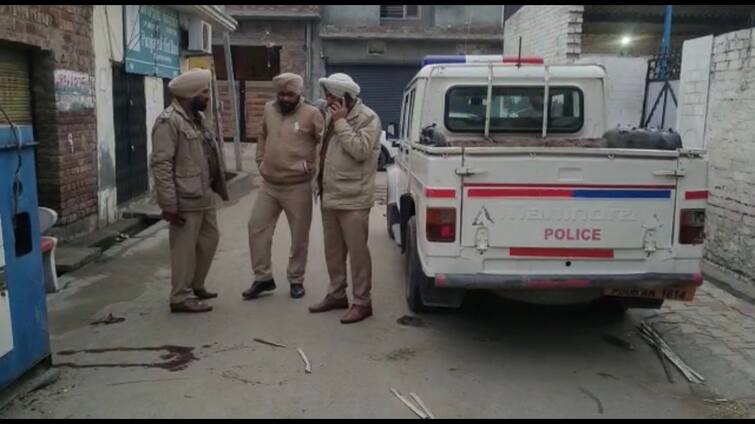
(287, 107)
(198, 104)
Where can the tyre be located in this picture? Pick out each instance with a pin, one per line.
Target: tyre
(391, 217)
(382, 159)
(415, 277)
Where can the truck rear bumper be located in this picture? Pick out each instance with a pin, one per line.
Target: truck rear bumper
(541, 282)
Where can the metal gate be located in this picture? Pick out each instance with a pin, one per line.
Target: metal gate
(132, 177)
(661, 84)
(382, 87)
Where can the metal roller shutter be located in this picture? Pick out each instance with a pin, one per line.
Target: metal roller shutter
(15, 87)
(382, 87)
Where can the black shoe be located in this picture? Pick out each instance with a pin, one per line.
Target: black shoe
(257, 288)
(297, 291)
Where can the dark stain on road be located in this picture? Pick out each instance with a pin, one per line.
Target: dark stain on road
(110, 319)
(403, 354)
(411, 321)
(176, 358)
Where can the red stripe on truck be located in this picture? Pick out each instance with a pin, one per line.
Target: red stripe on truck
(557, 252)
(523, 192)
(696, 195)
(440, 193)
(629, 186)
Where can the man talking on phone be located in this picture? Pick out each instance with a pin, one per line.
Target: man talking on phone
(346, 186)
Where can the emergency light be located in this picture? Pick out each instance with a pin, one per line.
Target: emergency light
(446, 59)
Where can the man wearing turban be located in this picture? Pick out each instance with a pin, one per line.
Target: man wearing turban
(187, 168)
(287, 161)
(346, 185)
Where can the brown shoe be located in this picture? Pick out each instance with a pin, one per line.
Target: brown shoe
(204, 294)
(330, 303)
(356, 313)
(190, 306)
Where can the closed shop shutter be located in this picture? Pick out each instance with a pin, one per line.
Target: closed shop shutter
(15, 86)
(382, 87)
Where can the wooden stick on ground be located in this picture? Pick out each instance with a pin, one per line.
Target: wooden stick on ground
(421, 404)
(654, 339)
(269, 343)
(307, 366)
(408, 404)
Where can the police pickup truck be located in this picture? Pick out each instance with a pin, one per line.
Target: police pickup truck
(496, 188)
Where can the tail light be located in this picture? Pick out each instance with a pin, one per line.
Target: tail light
(441, 225)
(692, 226)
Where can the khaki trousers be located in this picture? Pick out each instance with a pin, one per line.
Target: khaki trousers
(296, 201)
(346, 233)
(192, 247)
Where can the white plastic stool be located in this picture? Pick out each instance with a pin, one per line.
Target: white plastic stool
(48, 263)
(47, 219)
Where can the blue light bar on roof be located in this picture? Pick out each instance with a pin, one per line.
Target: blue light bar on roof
(439, 59)
(446, 59)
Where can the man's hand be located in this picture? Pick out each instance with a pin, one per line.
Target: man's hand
(338, 111)
(174, 218)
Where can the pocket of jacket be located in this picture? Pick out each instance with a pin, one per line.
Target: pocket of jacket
(349, 183)
(189, 182)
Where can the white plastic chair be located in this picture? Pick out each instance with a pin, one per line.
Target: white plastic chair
(47, 219)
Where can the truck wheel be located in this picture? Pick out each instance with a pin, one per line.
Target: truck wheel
(415, 277)
(382, 159)
(391, 217)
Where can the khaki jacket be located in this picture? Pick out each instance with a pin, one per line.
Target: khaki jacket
(180, 165)
(349, 160)
(287, 149)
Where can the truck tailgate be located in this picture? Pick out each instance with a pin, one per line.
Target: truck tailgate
(568, 204)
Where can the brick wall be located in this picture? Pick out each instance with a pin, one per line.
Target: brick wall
(625, 87)
(257, 94)
(553, 32)
(290, 36)
(63, 38)
(730, 221)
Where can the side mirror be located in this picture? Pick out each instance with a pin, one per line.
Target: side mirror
(390, 131)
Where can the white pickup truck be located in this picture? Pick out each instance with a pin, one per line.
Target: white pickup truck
(484, 195)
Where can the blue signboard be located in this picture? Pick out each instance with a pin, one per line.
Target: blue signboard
(152, 41)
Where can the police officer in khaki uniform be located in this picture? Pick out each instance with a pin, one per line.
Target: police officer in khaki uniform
(286, 156)
(187, 167)
(346, 185)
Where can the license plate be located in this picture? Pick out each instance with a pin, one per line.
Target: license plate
(678, 293)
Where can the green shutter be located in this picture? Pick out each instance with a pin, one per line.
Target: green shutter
(15, 86)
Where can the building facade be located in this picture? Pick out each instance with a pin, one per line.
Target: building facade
(87, 82)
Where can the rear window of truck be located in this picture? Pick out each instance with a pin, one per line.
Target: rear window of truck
(514, 109)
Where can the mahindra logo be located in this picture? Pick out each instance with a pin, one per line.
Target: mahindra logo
(530, 213)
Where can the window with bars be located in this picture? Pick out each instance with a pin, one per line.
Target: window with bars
(398, 11)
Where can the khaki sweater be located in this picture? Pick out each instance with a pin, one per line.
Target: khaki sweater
(287, 149)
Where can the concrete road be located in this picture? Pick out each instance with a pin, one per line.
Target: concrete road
(491, 359)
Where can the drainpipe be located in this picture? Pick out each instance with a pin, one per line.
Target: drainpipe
(489, 101)
(308, 49)
(503, 29)
(546, 102)
(232, 89)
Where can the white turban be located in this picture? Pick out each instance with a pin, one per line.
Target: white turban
(288, 82)
(339, 84)
(190, 83)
